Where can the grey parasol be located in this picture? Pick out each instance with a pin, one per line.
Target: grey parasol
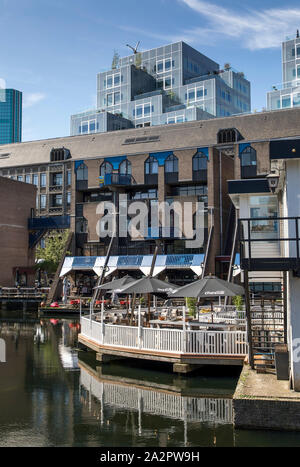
(116, 284)
(147, 285)
(209, 287)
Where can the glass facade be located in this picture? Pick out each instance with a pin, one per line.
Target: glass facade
(10, 116)
(287, 95)
(166, 85)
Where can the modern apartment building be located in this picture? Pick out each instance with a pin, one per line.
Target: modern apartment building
(10, 116)
(190, 162)
(287, 94)
(170, 84)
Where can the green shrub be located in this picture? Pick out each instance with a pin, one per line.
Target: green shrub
(238, 302)
(191, 305)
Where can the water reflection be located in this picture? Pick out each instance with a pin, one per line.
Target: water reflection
(99, 393)
(51, 394)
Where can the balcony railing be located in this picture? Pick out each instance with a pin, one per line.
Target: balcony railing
(48, 223)
(117, 180)
(270, 243)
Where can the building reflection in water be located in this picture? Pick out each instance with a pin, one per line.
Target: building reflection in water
(98, 394)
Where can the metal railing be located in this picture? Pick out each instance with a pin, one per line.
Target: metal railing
(270, 238)
(173, 341)
(156, 402)
(23, 292)
(54, 222)
(117, 179)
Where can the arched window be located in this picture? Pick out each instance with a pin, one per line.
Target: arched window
(200, 166)
(106, 168)
(171, 169)
(199, 161)
(248, 163)
(125, 168)
(229, 135)
(171, 164)
(82, 172)
(151, 166)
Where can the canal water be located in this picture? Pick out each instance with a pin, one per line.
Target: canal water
(53, 394)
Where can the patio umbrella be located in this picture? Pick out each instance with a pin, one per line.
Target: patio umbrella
(116, 284)
(208, 287)
(148, 285)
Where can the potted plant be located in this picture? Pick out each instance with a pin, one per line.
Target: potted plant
(191, 306)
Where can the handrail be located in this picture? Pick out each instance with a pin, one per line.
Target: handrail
(248, 239)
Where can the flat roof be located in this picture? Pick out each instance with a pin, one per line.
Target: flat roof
(263, 126)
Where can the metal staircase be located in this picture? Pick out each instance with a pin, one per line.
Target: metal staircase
(267, 329)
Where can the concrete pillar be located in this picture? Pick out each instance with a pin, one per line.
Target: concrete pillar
(104, 358)
(293, 296)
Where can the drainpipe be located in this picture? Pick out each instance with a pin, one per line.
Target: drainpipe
(221, 202)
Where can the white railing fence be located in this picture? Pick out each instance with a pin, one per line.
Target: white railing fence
(166, 340)
(154, 402)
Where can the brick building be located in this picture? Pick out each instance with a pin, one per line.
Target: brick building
(17, 202)
(178, 162)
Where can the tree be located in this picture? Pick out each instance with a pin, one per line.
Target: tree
(53, 251)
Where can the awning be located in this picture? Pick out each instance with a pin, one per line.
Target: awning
(134, 263)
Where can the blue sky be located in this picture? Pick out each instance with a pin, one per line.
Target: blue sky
(53, 49)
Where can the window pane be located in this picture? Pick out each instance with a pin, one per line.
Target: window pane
(109, 99)
(139, 111)
(117, 80)
(286, 102)
(296, 99)
(43, 201)
(191, 95)
(147, 110)
(109, 82)
(167, 65)
(84, 128)
(168, 82)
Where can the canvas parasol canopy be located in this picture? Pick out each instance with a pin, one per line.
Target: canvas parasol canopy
(147, 285)
(116, 284)
(208, 287)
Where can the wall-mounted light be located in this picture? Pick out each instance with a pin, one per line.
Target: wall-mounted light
(273, 180)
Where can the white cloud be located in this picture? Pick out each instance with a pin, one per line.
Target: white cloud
(256, 29)
(32, 99)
